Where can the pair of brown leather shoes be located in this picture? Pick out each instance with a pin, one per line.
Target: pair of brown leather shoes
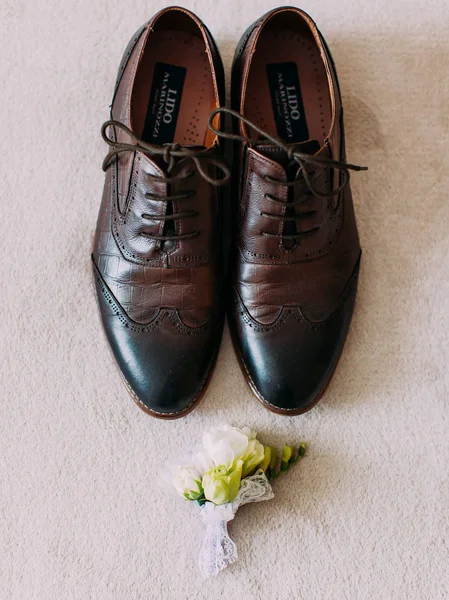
(158, 258)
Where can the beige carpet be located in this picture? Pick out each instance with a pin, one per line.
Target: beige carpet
(82, 512)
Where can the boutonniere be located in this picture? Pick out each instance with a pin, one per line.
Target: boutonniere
(230, 468)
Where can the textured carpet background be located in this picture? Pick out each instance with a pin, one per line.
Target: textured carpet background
(82, 512)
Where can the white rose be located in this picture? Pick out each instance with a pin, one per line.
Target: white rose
(187, 483)
(200, 460)
(225, 444)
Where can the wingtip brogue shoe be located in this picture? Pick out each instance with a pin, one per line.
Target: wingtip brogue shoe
(157, 254)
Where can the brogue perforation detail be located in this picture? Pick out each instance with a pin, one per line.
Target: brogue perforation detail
(163, 314)
(295, 311)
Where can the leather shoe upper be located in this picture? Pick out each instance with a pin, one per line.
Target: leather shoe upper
(297, 250)
(157, 249)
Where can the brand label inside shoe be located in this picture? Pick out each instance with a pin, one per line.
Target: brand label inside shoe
(287, 102)
(165, 100)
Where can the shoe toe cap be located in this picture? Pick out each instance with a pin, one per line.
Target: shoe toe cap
(165, 364)
(290, 375)
(164, 380)
(289, 363)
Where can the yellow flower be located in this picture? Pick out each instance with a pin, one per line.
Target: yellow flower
(252, 457)
(221, 484)
(266, 459)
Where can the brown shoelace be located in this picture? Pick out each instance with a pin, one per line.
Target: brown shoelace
(171, 153)
(303, 178)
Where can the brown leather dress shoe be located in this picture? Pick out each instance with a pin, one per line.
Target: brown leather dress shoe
(297, 249)
(157, 253)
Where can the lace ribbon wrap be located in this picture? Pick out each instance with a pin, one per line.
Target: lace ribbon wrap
(218, 550)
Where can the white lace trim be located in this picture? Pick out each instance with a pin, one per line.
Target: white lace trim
(218, 550)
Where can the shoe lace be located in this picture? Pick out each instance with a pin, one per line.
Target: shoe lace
(202, 159)
(305, 177)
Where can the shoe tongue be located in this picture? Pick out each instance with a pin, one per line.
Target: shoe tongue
(280, 156)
